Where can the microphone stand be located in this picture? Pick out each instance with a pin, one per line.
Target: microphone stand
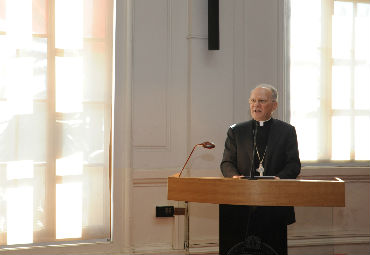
(206, 145)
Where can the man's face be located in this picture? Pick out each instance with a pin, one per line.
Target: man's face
(261, 104)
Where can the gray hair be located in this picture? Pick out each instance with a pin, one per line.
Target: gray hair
(274, 92)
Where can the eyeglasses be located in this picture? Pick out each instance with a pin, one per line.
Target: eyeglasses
(260, 101)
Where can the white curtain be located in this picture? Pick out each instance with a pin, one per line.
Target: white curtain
(55, 120)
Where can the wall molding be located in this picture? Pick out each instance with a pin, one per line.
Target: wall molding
(197, 36)
(327, 240)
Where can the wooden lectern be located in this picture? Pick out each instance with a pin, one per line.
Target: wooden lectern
(263, 192)
(277, 192)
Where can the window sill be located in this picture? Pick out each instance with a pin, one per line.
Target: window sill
(63, 248)
(345, 173)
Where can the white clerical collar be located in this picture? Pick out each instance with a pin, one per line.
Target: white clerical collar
(261, 123)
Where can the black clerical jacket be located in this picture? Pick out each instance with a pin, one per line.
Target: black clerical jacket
(281, 159)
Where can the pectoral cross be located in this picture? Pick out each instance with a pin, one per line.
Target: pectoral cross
(260, 169)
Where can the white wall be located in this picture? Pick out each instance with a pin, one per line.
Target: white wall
(182, 94)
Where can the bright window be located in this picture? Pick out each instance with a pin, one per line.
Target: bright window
(55, 120)
(330, 79)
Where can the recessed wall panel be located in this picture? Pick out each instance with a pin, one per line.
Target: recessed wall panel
(150, 73)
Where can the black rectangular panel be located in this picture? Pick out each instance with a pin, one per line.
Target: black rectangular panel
(213, 25)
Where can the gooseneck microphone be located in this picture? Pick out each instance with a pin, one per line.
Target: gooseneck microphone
(206, 145)
(254, 132)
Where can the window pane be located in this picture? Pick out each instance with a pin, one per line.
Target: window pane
(305, 23)
(19, 93)
(306, 90)
(342, 29)
(69, 163)
(19, 215)
(362, 138)
(95, 74)
(69, 210)
(69, 84)
(31, 63)
(362, 39)
(69, 24)
(81, 137)
(307, 133)
(5, 53)
(22, 169)
(341, 87)
(94, 116)
(341, 138)
(19, 202)
(39, 16)
(305, 69)
(19, 22)
(362, 87)
(31, 131)
(55, 120)
(7, 133)
(2, 15)
(96, 186)
(39, 56)
(95, 18)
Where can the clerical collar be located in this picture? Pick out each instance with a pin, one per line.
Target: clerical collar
(261, 123)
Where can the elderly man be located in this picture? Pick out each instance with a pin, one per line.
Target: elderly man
(276, 154)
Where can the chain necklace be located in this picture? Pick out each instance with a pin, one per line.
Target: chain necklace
(260, 169)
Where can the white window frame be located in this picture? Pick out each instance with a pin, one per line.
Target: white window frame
(326, 112)
(121, 157)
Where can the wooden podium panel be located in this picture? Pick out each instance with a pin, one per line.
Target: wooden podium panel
(277, 192)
